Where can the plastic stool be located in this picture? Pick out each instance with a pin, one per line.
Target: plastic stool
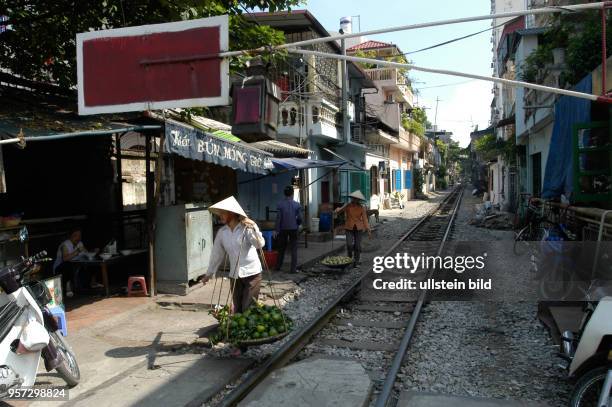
(143, 284)
(60, 315)
(268, 235)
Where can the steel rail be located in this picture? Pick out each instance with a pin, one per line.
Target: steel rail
(387, 389)
(297, 342)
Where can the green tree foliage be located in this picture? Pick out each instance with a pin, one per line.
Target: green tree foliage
(416, 122)
(487, 146)
(490, 147)
(580, 35)
(366, 54)
(41, 44)
(419, 180)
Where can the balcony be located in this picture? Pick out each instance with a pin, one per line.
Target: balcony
(408, 141)
(375, 136)
(314, 117)
(387, 112)
(392, 79)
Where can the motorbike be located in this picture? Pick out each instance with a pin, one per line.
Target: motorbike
(589, 356)
(28, 330)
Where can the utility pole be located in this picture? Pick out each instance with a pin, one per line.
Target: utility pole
(436, 116)
(346, 125)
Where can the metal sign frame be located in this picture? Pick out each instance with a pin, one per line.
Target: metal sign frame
(219, 21)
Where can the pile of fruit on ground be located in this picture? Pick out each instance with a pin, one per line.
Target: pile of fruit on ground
(336, 260)
(259, 322)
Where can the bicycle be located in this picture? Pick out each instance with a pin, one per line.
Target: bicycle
(534, 230)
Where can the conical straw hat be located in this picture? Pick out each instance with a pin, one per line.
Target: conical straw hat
(228, 204)
(357, 194)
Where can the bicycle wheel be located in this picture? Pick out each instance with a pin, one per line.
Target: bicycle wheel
(521, 241)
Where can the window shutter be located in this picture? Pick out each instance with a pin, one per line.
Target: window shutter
(408, 179)
(398, 180)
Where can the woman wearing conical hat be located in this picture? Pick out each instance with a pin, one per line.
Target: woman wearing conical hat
(239, 240)
(356, 223)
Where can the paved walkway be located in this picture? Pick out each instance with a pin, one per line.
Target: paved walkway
(146, 350)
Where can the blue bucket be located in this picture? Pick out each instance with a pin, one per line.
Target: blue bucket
(325, 222)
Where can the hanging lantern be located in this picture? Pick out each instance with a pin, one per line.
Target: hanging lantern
(255, 101)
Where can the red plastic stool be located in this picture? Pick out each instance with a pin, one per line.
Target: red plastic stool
(140, 280)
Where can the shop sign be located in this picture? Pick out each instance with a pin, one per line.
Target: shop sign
(196, 144)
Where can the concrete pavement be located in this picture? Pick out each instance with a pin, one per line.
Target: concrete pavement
(141, 350)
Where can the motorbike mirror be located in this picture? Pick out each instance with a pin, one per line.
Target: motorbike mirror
(23, 234)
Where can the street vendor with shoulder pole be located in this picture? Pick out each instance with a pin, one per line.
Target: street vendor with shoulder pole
(356, 223)
(238, 239)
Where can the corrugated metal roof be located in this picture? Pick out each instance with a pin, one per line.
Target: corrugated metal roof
(280, 149)
(36, 114)
(225, 136)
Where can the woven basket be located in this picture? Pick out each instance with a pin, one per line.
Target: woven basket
(338, 266)
(262, 341)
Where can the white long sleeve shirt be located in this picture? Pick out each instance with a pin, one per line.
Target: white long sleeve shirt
(241, 242)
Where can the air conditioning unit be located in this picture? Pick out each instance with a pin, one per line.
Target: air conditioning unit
(357, 135)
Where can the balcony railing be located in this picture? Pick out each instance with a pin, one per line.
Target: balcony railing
(386, 74)
(409, 141)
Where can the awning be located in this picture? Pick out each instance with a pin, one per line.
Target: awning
(196, 144)
(280, 149)
(303, 163)
(505, 122)
(345, 159)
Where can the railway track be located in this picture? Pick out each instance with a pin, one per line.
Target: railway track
(359, 313)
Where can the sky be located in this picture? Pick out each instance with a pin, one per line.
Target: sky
(465, 103)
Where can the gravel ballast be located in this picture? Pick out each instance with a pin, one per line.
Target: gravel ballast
(484, 348)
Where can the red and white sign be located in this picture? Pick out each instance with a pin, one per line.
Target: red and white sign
(150, 67)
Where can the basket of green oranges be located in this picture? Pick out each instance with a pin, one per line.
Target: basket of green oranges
(258, 325)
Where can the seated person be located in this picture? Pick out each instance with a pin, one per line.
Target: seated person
(69, 250)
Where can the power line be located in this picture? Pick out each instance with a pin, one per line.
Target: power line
(453, 40)
(447, 84)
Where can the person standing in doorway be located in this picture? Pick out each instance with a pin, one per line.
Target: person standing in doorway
(288, 219)
(239, 240)
(356, 223)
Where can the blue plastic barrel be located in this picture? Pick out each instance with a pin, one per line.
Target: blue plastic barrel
(325, 222)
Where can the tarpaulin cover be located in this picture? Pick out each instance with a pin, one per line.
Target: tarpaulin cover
(303, 163)
(196, 144)
(558, 177)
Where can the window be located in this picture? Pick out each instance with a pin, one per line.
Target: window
(374, 179)
(315, 114)
(284, 117)
(293, 116)
(353, 180)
